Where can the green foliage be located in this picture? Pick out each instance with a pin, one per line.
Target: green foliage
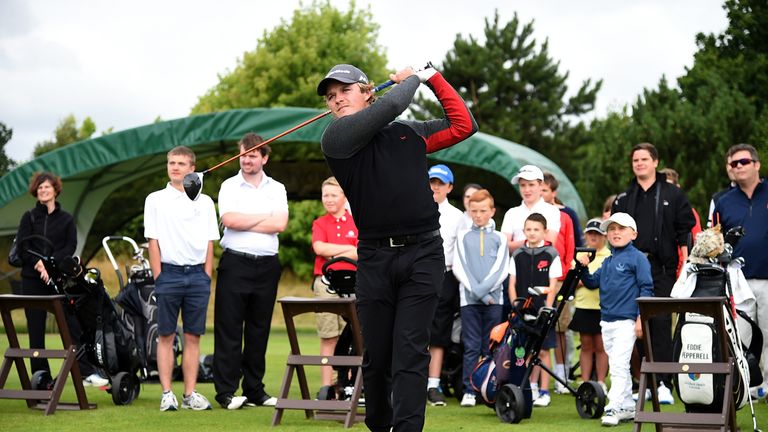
(296, 241)
(6, 163)
(67, 132)
(516, 91)
(289, 61)
(720, 102)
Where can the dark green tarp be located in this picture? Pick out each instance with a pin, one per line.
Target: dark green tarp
(93, 169)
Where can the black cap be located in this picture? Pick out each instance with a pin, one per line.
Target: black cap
(344, 73)
(594, 225)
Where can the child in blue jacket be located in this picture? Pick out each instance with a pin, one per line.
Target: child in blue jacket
(623, 277)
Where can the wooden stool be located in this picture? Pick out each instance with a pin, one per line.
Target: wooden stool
(41, 399)
(345, 411)
(693, 422)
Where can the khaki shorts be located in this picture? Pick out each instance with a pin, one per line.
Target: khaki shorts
(564, 320)
(328, 325)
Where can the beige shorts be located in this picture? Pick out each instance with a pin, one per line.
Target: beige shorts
(564, 320)
(328, 325)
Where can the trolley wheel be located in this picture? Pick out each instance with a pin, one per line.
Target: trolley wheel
(41, 380)
(125, 388)
(327, 392)
(590, 400)
(509, 404)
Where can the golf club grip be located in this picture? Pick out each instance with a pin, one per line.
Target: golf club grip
(382, 86)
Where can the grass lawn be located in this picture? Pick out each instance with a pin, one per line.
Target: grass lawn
(144, 415)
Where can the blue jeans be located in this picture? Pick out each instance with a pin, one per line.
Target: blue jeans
(476, 324)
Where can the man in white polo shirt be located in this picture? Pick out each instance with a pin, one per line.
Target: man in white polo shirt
(529, 179)
(181, 234)
(253, 209)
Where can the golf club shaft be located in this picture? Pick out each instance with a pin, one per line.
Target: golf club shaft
(282, 134)
(262, 144)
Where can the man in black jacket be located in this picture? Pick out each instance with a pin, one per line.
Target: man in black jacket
(381, 163)
(664, 221)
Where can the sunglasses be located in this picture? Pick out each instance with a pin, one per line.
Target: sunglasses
(744, 162)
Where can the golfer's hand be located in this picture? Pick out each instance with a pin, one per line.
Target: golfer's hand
(425, 74)
(583, 259)
(401, 75)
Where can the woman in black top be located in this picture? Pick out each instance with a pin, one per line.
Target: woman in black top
(48, 220)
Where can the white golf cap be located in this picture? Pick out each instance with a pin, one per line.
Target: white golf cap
(622, 219)
(528, 172)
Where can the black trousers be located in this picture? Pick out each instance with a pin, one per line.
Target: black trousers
(36, 319)
(397, 293)
(245, 297)
(661, 326)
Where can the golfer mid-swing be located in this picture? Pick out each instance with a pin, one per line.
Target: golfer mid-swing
(381, 163)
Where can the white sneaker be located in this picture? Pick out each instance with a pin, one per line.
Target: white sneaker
(605, 389)
(665, 395)
(561, 389)
(647, 395)
(543, 400)
(613, 417)
(468, 400)
(169, 402)
(95, 380)
(195, 401)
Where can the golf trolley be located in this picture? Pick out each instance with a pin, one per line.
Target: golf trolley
(137, 298)
(521, 339)
(107, 338)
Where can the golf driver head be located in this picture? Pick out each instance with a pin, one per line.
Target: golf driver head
(193, 184)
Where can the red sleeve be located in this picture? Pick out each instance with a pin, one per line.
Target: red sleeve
(458, 124)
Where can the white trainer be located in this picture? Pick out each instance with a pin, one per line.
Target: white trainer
(195, 401)
(665, 395)
(95, 380)
(543, 400)
(169, 402)
(468, 400)
(613, 417)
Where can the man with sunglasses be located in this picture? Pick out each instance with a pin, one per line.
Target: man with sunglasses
(664, 221)
(746, 205)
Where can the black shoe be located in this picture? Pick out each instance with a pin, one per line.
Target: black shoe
(263, 400)
(435, 397)
(231, 402)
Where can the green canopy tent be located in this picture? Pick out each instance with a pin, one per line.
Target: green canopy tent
(94, 169)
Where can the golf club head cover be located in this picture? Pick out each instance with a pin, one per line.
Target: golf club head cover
(425, 74)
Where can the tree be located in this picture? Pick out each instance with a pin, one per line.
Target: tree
(720, 101)
(289, 61)
(66, 133)
(516, 91)
(6, 163)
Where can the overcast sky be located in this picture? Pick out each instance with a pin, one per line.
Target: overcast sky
(124, 63)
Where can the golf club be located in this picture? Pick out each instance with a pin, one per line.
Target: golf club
(193, 182)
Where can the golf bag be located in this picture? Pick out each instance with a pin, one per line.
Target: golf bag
(137, 298)
(696, 339)
(510, 346)
(341, 282)
(107, 331)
